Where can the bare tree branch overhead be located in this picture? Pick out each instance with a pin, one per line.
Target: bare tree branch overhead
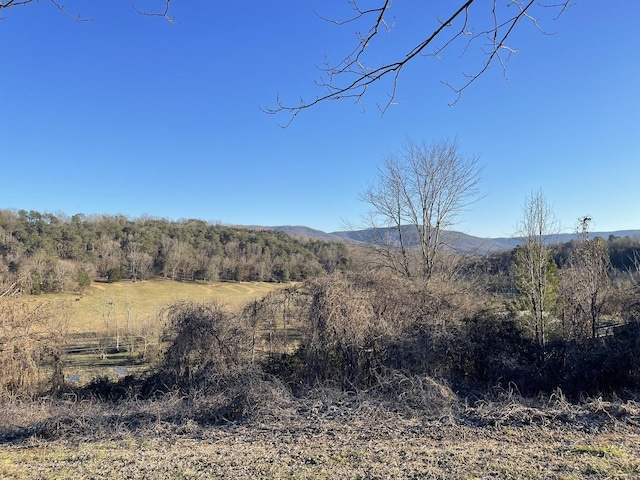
(484, 26)
(480, 29)
(162, 12)
(6, 4)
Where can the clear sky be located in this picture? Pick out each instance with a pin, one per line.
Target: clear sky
(132, 115)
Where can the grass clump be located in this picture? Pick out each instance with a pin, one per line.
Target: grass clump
(598, 451)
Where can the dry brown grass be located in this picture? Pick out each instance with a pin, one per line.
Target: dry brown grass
(331, 435)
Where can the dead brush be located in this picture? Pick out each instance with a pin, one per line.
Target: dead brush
(613, 410)
(268, 399)
(414, 394)
(505, 406)
(73, 418)
(32, 338)
(233, 397)
(327, 405)
(204, 336)
(444, 304)
(50, 417)
(352, 320)
(19, 414)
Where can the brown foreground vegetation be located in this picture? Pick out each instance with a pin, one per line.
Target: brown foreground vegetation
(327, 434)
(353, 375)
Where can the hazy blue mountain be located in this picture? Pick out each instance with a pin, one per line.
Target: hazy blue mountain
(300, 231)
(458, 241)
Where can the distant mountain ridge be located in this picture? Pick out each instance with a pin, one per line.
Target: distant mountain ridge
(461, 242)
(300, 231)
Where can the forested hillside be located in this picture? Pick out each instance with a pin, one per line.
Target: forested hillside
(43, 252)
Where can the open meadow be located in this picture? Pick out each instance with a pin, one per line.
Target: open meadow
(104, 304)
(114, 328)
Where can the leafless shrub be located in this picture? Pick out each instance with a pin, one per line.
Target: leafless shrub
(439, 335)
(211, 360)
(347, 329)
(627, 292)
(446, 303)
(32, 338)
(607, 366)
(204, 337)
(361, 324)
(274, 322)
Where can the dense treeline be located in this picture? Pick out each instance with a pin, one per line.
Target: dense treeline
(495, 268)
(42, 252)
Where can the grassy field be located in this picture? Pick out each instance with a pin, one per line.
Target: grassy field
(106, 303)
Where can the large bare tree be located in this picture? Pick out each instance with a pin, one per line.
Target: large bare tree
(418, 194)
(138, 261)
(109, 254)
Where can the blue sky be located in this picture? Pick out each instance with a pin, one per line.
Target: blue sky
(132, 115)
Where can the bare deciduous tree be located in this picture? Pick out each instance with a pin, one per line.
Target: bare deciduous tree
(109, 252)
(7, 4)
(179, 259)
(584, 283)
(138, 261)
(534, 267)
(208, 266)
(63, 271)
(418, 194)
(632, 289)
